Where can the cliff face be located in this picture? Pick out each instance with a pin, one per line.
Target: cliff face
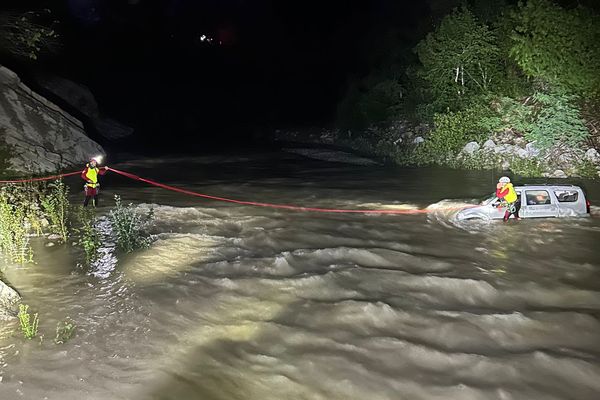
(38, 136)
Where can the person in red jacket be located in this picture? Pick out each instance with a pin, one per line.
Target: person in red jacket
(90, 176)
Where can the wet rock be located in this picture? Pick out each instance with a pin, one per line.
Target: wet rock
(42, 137)
(593, 156)
(8, 301)
(418, 140)
(54, 236)
(50, 244)
(489, 144)
(470, 148)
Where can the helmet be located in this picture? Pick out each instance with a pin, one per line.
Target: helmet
(504, 179)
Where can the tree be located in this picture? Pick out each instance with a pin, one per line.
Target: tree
(459, 60)
(557, 46)
(23, 36)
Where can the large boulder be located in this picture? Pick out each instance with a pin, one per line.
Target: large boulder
(80, 98)
(532, 150)
(39, 135)
(470, 148)
(489, 144)
(593, 156)
(8, 301)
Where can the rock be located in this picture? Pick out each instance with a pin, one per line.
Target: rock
(522, 153)
(111, 129)
(593, 156)
(503, 149)
(81, 99)
(54, 236)
(489, 144)
(559, 173)
(74, 94)
(532, 151)
(470, 148)
(42, 137)
(8, 300)
(50, 244)
(418, 140)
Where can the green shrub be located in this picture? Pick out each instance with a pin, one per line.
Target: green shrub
(29, 323)
(558, 119)
(128, 225)
(55, 203)
(586, 169)
(64, 331)
(89, 237)
(455, 129)
(14, 240)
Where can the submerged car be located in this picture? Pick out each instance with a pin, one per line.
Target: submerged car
(537, 201)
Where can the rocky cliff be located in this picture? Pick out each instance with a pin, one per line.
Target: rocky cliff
(36, 135)
(81, 99)
(8, 300)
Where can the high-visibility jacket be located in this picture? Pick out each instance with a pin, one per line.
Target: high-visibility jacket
(507, 193)
(90, 175)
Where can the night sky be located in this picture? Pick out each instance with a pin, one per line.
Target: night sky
(268, 64)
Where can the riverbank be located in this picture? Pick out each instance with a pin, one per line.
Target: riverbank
(411, 145)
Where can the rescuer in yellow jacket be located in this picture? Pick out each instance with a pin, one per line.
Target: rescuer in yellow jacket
(505, 191)
(90, 176)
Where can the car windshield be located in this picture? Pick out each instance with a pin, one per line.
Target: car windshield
(488, 199)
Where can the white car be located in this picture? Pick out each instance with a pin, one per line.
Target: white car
(537, 201)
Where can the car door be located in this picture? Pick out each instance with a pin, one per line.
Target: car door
(496, 211)
(539, 203)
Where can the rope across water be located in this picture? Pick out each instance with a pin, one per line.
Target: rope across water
(241, 202)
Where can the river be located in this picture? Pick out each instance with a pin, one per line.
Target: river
(239, 302)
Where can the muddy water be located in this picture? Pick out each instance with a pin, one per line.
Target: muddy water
(233, 302)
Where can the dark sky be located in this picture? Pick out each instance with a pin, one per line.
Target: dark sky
(271, 63)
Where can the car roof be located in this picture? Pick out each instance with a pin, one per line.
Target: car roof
(548, 186)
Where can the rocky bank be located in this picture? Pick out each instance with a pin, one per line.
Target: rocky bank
(37, 136)
(506, 151)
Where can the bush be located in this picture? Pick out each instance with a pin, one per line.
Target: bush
(64, 332)
(128, 225)
(55, 203)
(558, 119)
(14, 241)
(455, 129)
(89, 237)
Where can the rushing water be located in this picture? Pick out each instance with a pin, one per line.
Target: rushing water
(236, 302)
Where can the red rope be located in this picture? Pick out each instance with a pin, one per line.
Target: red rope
(47, 178)
(271, 205)
(241, 202)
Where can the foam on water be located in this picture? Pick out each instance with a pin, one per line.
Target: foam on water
(234, 302)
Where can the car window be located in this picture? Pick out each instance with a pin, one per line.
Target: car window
(537, 197)
(567, 196)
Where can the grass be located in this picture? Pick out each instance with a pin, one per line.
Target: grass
(29, 323)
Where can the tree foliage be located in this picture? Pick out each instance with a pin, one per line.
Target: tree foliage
(27, 35)
(557, 45)
(459, 60)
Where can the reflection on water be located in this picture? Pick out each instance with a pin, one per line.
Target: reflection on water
(235, 302)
